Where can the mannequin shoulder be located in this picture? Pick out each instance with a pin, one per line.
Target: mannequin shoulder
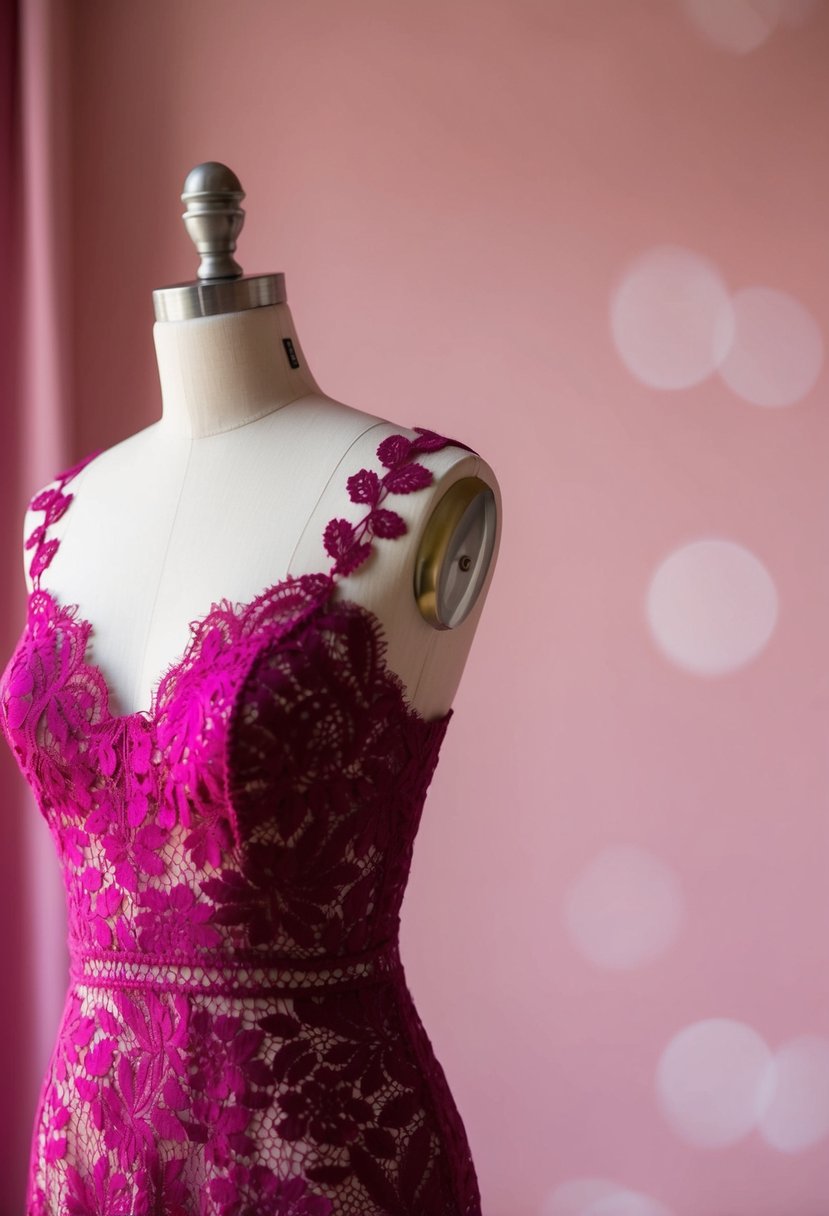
(35, 524)
(32, 520)
(445, 463)
(448, 464)
(39, 514)
(454, 519)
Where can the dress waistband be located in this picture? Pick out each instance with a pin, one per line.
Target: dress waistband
(247, 975)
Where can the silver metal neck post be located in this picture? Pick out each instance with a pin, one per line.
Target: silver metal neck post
(213, 218)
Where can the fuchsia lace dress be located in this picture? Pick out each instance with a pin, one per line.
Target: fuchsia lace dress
(238, 1038)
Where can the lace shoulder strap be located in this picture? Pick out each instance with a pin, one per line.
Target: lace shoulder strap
(350, 544)
(53, 502)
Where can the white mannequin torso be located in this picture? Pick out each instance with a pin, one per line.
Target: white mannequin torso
(230, 492)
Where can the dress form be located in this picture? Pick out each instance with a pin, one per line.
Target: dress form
(235, 851)
(229, 492)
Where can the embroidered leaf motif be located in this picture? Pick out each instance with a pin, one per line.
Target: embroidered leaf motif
(394, 450)
(99, 1058)
(387, 524)
(337, 537)
(364, 486)
(406, 478)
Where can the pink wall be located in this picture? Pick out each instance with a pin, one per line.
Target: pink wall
(591, 239)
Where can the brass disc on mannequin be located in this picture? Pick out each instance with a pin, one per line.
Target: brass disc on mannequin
(455, 552)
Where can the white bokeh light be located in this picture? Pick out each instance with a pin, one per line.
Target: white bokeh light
(741, 26)
(624, 909)
(711, 606)
(671, 317)
(573, 1197)
(734, 25)
(797, 1111)
(777, 353)
(627, 1203)
(600, 1197)
(712, 1082)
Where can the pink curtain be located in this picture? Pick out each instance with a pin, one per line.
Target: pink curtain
(36, 409)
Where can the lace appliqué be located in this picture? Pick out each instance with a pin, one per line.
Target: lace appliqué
(238, 1036)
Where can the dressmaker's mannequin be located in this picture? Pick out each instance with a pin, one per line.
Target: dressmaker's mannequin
(236, 850)
(229, 492)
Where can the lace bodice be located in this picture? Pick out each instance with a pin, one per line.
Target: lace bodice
(238, 1035)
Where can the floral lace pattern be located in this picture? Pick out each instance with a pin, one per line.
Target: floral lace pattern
(238, 1038)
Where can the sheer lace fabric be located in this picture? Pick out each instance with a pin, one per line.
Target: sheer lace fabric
(238, 1038)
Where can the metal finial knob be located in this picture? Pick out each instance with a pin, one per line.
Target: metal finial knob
(212, 195)
(213, 220)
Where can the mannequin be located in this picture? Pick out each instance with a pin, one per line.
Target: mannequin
(230, 491)
(238, 1031)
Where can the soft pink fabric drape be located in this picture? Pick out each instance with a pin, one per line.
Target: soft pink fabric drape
(34, 151)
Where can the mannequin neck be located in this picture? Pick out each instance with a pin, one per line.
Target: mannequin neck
(220, 372)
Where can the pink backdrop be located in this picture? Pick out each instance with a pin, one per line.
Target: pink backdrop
(592, 240)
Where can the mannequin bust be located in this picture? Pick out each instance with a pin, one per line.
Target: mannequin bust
(235, 862)
(231, 489)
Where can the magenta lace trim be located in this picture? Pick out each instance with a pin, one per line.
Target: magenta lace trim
(343, 541)
(295, 598)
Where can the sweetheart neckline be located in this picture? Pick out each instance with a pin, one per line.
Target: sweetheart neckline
(240, 609)
(348, 543)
